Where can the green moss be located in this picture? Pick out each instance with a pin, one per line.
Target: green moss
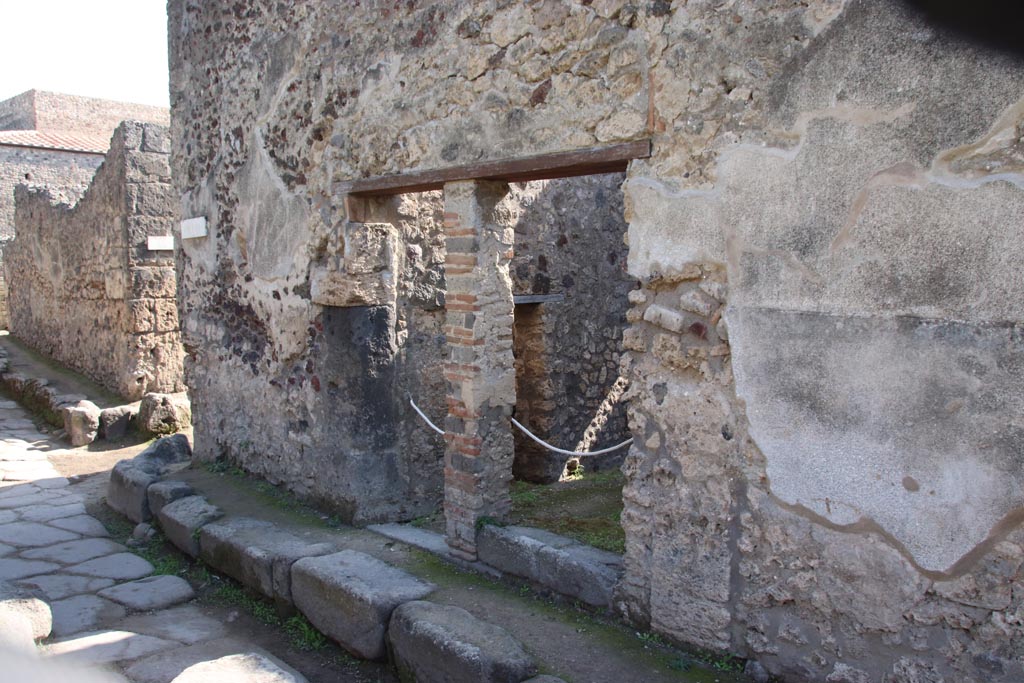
(587, 509)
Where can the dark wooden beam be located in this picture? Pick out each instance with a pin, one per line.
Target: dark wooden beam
(537, 298)
(590, 161)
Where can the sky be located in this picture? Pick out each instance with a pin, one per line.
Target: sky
(112, 49)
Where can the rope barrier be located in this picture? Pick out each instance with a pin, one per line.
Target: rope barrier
(562, 450)
(529, 434)
(425, 418)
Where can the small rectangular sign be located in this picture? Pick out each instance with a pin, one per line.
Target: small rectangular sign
(160, 243)
(193, 227)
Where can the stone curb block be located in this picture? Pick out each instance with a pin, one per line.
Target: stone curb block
(350, 596)
(556, 562)
(162, 493)
(128, 490)
(183, 518)
(431, 642)
(257, 554)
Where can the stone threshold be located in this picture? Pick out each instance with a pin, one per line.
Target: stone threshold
(553, 562)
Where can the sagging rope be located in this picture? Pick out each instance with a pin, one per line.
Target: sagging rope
(529, 434)
(562, 450)
(425, 418)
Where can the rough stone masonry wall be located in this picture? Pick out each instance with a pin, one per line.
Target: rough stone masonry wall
(829, 481)
(68, 172)
(569, 240)
(84, 287)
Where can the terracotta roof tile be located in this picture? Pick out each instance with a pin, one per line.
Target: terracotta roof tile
(71, 142)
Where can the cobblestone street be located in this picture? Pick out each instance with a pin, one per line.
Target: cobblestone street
(109, 609)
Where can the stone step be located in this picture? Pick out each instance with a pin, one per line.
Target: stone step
(556, 562)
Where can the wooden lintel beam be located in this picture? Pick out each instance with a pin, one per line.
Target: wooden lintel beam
(590, 161)
(537, 298)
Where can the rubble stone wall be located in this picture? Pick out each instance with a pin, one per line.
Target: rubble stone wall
(824, 356)
(84, 287)
(68, 172)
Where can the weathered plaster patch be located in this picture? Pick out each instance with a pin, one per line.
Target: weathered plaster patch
(844, 409)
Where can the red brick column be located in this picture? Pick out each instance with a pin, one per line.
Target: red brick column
(480, 371)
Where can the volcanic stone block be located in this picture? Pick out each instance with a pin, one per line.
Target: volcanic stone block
(554, 561)
(126, 491)
(115, 422)
(163, 492)
(431, 642)
(81, 422)
(350, 597)
(257, 554)
(164, 413)
(130, 479)
(183, 518)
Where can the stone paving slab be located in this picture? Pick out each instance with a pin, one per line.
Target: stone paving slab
(100, 647)
(56, 586)
(33, 534)
(81, 524)
(121, 566)
(151, 593)
(81, 613)
(186, 624)
(47, 513)
(13, 568)
(72, 552)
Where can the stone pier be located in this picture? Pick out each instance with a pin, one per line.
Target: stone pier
(480, 371)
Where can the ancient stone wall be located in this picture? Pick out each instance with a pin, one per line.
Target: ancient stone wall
(59, 112)
(68, 172)
(84, 287)
(570, 241)
(18, 112)
(824, 354)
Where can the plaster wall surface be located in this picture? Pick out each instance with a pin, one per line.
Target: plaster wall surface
(827, 329)
(84, 287)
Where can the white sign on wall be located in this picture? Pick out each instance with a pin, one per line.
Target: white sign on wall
(160, 242)
(192, 228)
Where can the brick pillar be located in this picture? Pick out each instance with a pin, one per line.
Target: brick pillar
(480, 371)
